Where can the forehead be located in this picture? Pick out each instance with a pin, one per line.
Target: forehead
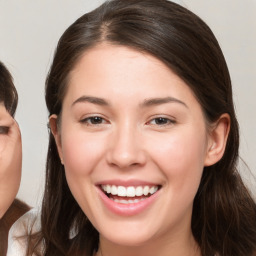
(112, 60)
(118, 68)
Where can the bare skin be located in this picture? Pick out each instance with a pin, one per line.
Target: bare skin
(10, 159)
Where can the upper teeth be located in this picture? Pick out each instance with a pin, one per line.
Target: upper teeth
(129, 191)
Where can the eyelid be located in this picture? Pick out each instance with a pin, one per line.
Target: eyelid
(171, 120)
(86, 118)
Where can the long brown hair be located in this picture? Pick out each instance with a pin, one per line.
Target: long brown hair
(224, 214)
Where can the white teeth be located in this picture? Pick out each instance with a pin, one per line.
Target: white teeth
(121, 191)
(146, 190)
(113, 190)
(129, 191)
(153, 190)
(139, 191)
(108, 189)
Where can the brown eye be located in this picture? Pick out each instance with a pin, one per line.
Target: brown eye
(161, 121)
(93, 120)
(96, 120)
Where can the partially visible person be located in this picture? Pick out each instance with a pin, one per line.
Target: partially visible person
(10, 158)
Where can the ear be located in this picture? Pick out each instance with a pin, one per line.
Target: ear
(53, 122)
(217, 140)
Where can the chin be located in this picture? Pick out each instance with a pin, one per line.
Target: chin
(129, 241)
(128, 237)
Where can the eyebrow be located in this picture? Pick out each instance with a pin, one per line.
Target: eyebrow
(146, 103)
(90, 99)
(159, 101)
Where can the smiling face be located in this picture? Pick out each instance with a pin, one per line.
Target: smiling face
(134, 142)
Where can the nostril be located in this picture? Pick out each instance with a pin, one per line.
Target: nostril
(124, 161)
(125, 149)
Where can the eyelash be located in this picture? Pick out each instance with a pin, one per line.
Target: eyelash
(93, 120)
(157, 121)
(167, 121)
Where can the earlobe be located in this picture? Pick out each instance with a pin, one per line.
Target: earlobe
(53, 123)
(217, 140)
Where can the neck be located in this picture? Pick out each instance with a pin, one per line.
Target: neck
(186, 246)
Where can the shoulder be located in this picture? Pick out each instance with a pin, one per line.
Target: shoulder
(18, 236)
(29, 222)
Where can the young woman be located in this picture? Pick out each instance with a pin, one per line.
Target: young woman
(144, 144)
(10, 158)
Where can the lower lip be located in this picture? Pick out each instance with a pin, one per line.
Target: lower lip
(127, 209)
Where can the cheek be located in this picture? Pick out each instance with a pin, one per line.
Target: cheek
(80, 153)
(181, 158)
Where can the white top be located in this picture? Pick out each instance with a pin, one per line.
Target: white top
(30, 221)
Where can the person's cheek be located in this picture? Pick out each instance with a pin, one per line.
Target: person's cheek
(81, 152)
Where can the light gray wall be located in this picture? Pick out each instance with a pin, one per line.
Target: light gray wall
(30, 29)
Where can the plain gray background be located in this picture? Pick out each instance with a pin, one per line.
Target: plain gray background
(30, 29)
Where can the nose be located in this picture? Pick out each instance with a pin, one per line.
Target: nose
(126, 148)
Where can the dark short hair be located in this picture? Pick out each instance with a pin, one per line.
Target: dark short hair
(8, 93)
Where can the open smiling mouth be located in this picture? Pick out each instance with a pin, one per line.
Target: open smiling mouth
(129, 195)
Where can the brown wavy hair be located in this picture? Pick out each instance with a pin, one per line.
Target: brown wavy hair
(224, 213)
